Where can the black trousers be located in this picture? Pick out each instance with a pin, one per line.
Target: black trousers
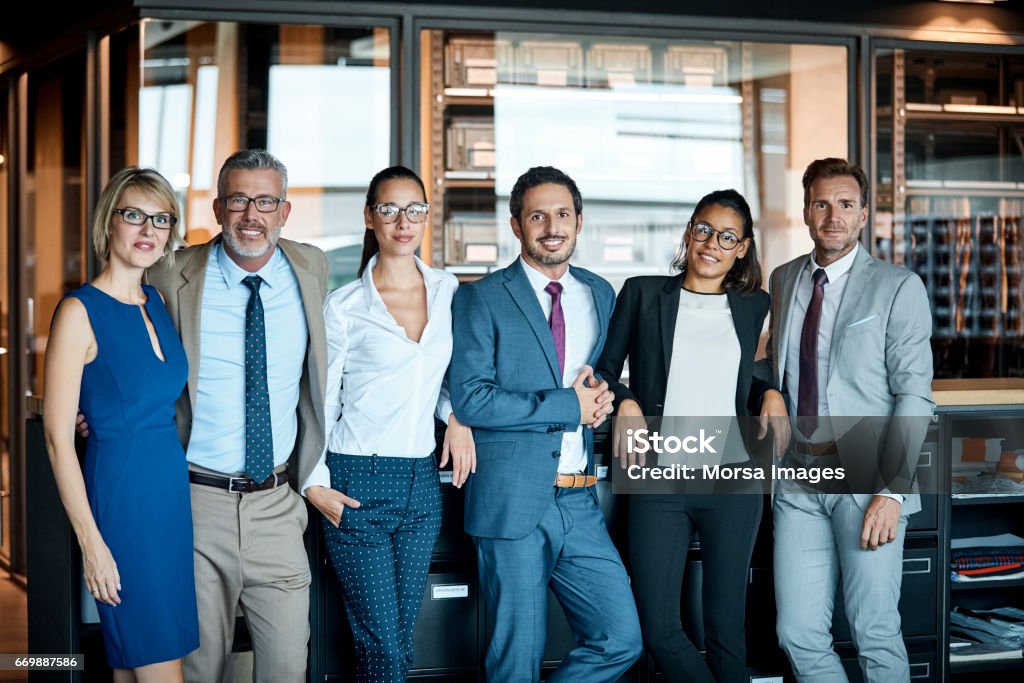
(660, 529)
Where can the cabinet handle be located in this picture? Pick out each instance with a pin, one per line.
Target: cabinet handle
(917, 561)
(923, 669)
(924, 460)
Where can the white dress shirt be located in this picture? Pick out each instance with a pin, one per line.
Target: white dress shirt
(580, 337)
(383, 389)
(218, 418)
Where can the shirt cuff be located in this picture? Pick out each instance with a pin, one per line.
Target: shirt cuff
(320, 476)
(899, 498)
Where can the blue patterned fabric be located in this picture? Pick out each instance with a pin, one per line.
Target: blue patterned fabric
(259, 436)
(381, 553)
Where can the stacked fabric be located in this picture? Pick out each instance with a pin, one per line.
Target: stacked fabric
(986, 634)
(987, 558)
(988, 561)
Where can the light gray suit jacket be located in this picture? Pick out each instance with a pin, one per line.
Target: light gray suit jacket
(181, 286)
(880, 362)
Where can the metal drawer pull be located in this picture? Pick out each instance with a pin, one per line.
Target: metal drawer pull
(918, 561)
(923, 670)
(924, 460)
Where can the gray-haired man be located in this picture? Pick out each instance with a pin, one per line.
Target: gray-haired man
(249, 295)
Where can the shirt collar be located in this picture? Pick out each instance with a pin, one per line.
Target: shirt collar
(233, 274)
(431, 280)
(837, 269)
(539, 280)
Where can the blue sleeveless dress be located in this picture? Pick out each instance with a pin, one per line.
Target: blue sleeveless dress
(136, 478)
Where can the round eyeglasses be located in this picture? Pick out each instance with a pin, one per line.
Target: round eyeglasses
(415, 212)
(702, 232)
(133, 216)
(239, 202)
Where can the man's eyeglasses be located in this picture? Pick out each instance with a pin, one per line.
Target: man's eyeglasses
(239, 202)
(702, 232)
(133, 216)
(415, 212)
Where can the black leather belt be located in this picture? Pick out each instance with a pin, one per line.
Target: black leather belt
(238, 484)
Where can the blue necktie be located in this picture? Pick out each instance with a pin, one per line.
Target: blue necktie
(259, 436)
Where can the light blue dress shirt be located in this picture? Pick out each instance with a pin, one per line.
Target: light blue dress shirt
(218, 423)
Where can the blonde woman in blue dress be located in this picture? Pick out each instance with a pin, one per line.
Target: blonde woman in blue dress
(114, 352)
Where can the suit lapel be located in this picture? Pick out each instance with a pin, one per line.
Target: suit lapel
(786, 304)
(668, 309)
(190, 306)
(743, 321)
(312, 304)
(518, 286)
(603, 313)
(861, 273)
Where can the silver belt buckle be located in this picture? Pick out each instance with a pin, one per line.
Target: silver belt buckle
(244, 485)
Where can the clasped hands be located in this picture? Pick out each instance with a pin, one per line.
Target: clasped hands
(594, 396)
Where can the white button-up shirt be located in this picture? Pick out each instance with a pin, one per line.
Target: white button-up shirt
(580, 337)
(383, 389)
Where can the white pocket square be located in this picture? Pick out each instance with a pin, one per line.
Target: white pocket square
(862, 320)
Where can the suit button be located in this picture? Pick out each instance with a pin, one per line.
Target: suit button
(556, 454)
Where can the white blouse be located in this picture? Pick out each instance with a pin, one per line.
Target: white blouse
(383, 389)
(705, 358)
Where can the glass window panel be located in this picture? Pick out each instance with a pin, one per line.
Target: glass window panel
(950, 157)
(6, 341)
(319, 98)
(645, 127)
(53, 206)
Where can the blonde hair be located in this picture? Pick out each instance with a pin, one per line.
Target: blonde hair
(134, 178)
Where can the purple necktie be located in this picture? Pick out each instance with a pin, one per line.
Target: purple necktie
(807, 399)
(557, 322)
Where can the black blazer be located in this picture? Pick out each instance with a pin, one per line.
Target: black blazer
(643, 326)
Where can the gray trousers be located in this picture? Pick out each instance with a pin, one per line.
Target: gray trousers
(249, 554)
(817, 541)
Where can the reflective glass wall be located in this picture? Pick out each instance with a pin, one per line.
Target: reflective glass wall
(5, 336)
(645, 127)
(317, 97)
(950, 168)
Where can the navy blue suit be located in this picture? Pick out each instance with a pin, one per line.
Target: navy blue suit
(505, 383)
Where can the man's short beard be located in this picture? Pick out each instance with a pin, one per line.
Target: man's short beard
(254, 251)
(547, 258)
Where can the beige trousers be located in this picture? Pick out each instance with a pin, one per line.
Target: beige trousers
(249, 554)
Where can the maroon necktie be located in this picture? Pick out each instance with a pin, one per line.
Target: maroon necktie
(807, 399)
(557, 322)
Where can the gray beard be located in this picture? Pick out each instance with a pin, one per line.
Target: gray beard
(251, 252)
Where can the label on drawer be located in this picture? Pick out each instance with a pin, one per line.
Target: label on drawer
(448, 591)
